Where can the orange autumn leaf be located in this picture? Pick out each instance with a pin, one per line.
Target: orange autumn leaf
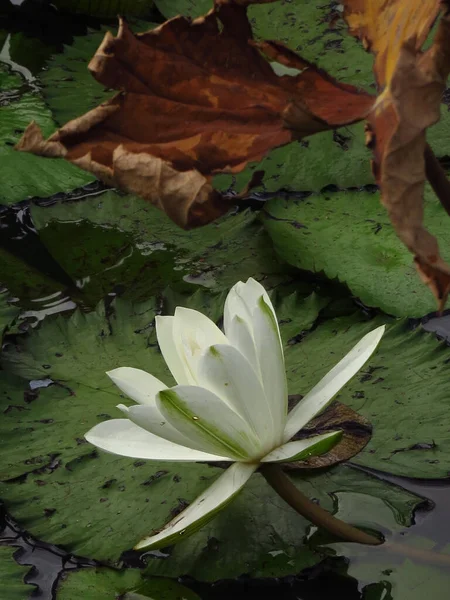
(412, 83)
(196, 98)
(384, 25)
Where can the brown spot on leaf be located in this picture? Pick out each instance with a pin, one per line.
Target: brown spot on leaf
(357, 432)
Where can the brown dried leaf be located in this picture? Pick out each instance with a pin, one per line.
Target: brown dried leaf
(410, 103)
(357, 432)
(196, 98)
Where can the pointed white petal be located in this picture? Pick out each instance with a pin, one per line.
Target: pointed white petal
(123, 437)
(226, 372)
(271, 362)
(235, 307)
(322, 393)
(151, 419)
(136, 384)
(204, 418)
(242, 300)
(203, 509)
(169, 350)
(193, 332)
(251, 292)
(240, 336)
(301, 449)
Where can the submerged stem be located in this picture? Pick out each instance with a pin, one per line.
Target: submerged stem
(277, 479)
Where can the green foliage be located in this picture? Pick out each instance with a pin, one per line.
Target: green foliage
(106, 8)
(8, 313)
(104, 584)
(125, 241)
(12, 585)
(23, 174)
(347, 235)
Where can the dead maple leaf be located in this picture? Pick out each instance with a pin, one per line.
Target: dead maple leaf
(412, 83)
(195, 98)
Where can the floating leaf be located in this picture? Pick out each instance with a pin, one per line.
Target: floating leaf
(419, 568)
(213, 119)
(407, 376)
(104, 584)
(347, 235)
(24, 175)
(120, 500)
(106, 8)
(8, 313)
(123, 243)
(12, 585)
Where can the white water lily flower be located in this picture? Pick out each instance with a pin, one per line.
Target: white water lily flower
(230, 404)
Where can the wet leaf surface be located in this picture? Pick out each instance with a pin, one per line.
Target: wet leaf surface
(106, 8)
(105, 584)
(12, 585)
(121, 244)
(8, 312)
(24, 175)
(347, 235)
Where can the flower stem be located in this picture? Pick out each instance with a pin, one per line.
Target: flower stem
(277, 479)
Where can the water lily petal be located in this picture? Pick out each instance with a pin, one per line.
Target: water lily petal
(271, 361)
(240, 336)
(226, 372)
(235, 306)
(251, 292)
(203, 509)
(202, 416)
(138, 385)
(193, 332)
(322, 393)
(123, 437)
(151, 419)
(169, 350)
(301, 449)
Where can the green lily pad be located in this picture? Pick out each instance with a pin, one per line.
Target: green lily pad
(187, 8)
(24, 53)
(405, 581)
(118, 501)
(124, 241)
(25, 175)
(337, 158)
(12, 585)
(106, 8)
(35, 288)
(8, 313)
(405, 382)
(105, 584)
(347, 235)
(415, 569)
